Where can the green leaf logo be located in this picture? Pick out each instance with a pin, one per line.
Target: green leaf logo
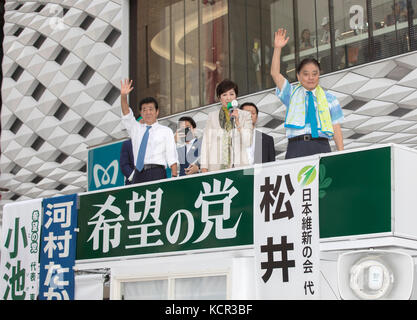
(307, 175)
(324, 182)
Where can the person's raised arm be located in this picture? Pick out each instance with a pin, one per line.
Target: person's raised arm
(280, 40)
(125, 89)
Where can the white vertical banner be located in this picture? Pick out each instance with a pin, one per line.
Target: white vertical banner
(19, 269)
(287, 253)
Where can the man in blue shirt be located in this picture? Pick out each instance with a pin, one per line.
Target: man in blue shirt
(313, 115)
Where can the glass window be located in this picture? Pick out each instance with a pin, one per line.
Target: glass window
(245, 45)
(352, 23)
(181, 52)
(178, 46)
(307, 38)
(145, 290)
(159, 57)
(266, 39)
(192, 61)
(239, 63)
(151, 55)
(280, 14)
(390, 27)
(324, 35)
(413, 11)
(181, 49)
(193, 288)
(413, 25)
(214, 49)
(254, 46)
(401, 19)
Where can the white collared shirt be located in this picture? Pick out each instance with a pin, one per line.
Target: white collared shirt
(335, 109)
(161, 148)
(189, 144)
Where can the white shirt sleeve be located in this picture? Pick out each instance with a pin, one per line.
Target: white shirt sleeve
(129, 123)
(170, 148)
(135, 131)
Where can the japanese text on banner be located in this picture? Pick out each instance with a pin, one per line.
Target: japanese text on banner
(20, 250)
(58, 247)
(287, 231)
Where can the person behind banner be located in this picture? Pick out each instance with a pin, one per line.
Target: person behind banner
(227, 133)
(127, 162)
(189, 146)
(262, 149)
(313, 115)
(153, 144)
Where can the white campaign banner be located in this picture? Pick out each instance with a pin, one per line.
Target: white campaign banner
(19, 274)
(287, 231)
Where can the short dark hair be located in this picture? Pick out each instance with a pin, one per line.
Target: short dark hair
(224, 86)
(251, 104)
(148, 100)
(307, 61)
(190, 120)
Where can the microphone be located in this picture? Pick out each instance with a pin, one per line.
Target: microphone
(231, 106)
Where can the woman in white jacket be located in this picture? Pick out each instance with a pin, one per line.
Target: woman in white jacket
(227, 134)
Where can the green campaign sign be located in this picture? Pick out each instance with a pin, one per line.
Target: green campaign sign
(216, 210)
(201, 212)
(355, 193)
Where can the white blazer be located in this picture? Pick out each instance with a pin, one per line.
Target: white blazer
(211, 148)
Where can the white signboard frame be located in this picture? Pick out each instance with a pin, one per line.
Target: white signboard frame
(286, 223)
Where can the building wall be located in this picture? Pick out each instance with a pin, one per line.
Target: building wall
(62, 68)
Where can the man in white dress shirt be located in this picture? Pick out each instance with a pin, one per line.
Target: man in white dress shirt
(153, 144)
